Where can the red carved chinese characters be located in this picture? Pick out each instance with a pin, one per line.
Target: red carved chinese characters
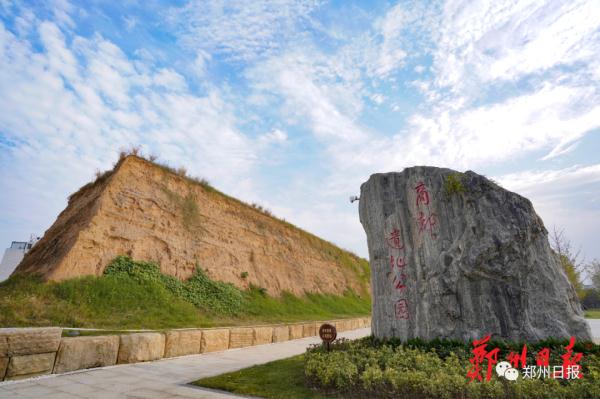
(427, 223)
(399, 279)
(394, 241)
(422, 194)
(426, 220)
(401, 309)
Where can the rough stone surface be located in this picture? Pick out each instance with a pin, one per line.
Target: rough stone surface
(214, 340)
(3, 366)
(86, 352)
(296, 331)
(3, 344)
(281, 333)
(141, 347)
(29, 341)
(241, 337)
(310, 329)
(343, 325)
(143, 210)
(182, 342)
(262, 335)
(462, 263)
(29, 365)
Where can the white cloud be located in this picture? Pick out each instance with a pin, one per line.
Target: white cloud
(488, 40)
(68, 108)
(547, 118)
(201, 62)
(240, 30)
(275, 136)
(170, 79)
(130, 22)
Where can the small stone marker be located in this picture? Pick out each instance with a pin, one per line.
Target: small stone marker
(328, 334)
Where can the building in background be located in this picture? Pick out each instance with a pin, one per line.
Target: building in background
(13, 256)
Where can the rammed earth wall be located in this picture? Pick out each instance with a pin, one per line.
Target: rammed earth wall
(30, 352)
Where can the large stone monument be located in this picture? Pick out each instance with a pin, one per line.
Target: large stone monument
(455, 255)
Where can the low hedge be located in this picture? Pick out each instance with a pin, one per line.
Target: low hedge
(368, 368)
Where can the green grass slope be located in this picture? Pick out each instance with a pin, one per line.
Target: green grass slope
(136, 295)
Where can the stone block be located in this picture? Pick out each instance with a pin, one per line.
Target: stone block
(295, 331)
(310, 329)
(86, 352)
(281, 333)
(3, 366)
(214, 340)
(262, 335)
(30, 365)
(342, 325)
(241, 337)
(182, 342)
(141, 347)
(3, 344)
(29, 341)
(478, 261)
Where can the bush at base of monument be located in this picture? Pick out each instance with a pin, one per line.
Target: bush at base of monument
(368, 369)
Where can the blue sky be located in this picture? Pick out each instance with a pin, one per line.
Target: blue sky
(293, 104)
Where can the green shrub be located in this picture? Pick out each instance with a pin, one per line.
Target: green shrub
(212, 296)
(369, 368)
(135, 294)
(453, 184)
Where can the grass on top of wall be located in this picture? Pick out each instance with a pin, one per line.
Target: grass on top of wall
(135, 295)
(592, 313)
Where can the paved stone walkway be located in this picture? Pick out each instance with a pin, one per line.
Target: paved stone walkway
(166, 378)
(595, 326)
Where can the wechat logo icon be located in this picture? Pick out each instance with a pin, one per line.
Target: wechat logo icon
(504, 369)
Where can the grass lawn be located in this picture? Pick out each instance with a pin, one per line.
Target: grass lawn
(592, 314)
(281, 379)
(137, 296)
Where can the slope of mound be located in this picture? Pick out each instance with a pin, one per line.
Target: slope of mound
(135, 295)
(148, 212)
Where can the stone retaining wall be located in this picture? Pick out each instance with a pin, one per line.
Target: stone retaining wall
(29, 352)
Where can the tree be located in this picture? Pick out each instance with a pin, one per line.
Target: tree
(569, 259)
(594, 270)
